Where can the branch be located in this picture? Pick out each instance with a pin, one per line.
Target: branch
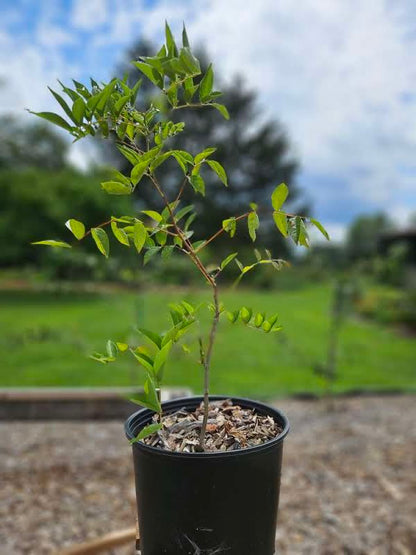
(190, 250)
(218, 233)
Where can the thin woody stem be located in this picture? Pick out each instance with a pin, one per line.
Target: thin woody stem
(181, 189)
(190, 250)
(219, 232)
(207, 365)
(206, 359)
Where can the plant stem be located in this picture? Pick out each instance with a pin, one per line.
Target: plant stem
(207, 365)
(218, 233)
(190, 251)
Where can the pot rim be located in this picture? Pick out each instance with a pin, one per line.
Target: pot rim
(136, 421)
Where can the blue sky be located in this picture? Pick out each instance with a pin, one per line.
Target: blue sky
(340, 75)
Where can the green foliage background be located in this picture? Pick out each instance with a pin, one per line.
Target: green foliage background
(47, 338)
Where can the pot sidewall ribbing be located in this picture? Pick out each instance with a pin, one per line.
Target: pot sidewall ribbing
(215, 502)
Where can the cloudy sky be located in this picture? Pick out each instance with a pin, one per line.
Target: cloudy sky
(339, 74)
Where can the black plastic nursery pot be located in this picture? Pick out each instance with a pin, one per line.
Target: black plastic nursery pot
(206, 503)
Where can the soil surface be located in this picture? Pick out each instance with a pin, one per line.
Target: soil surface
(348, 483)
(229, 428)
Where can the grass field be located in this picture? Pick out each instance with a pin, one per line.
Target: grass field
(45, 340)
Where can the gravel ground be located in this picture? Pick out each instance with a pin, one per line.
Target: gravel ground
(348, 484)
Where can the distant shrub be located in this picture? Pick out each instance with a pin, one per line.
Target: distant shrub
(389, 306)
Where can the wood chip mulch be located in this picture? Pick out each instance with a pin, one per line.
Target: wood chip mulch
(348, 481)
(230, 428)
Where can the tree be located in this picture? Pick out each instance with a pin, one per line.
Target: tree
(363, 235)
(25, 146)
(256, 153)
(35, 202)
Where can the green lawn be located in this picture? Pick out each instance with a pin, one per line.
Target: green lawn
(45, 340)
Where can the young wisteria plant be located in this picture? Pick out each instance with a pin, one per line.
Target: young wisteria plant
(146, 139)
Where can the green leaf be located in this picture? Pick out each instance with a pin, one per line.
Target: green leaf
(159, 160)
(280, 219)
(272, 320)
(172, 94)
(132, 156)
(198, 184)
(206, 84)
(112, 349)
(185, 40)
(279, 196)
(222, 110)
(151, 73)
(53, 243)
(120, 234)
(228, 259)
(103, 97)
(143, 359)
(266, 326)
(147, 430)
(233, 316)
(148, 398)
(230, 226)
(303, 234)
(321, 228)
(63, 104)
(98, 101)
(183, 212)
(101, 240)
(121, 102)
(153, 214)
(138, 171)
(188, 307)
(240, 266)
(139, 235)
(134, 91)
(259, 319)
(245, 314)
(294, 228)
(189, 89)
(53, 118)
(152, 336)
(161, 237)
(161, 357)
(183, 158)
(78, 110)
(76, 228)
(122, 347)
(170, 41)
(253, 224)
(102, 358)
(219, 170)
(116, 188)
(189, 61)
(204, 154)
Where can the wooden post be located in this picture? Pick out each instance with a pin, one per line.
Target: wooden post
(109, 541)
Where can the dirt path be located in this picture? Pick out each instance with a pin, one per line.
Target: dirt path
(348, 484)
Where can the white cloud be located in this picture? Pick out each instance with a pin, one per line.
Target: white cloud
(339, 75)
(90, 14)
(52, 36)
(335, 73)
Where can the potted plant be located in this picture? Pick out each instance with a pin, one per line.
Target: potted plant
(207, 468)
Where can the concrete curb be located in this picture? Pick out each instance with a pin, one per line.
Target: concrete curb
(52, 403)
